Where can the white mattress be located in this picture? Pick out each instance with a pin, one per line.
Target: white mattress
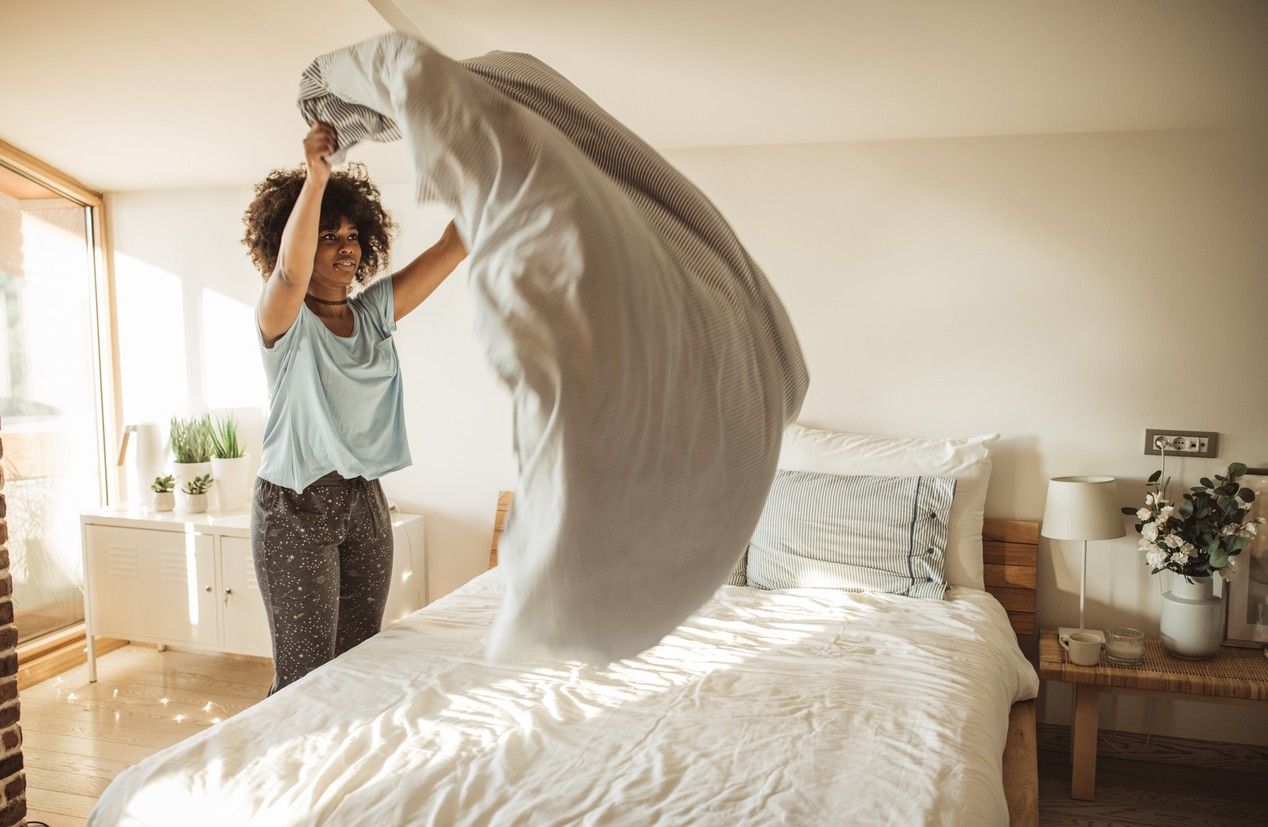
(792, 707)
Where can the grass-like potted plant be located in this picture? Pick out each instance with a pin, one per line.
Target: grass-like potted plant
(191, 447)
(194, 494)
(229, 465)
(163, 486)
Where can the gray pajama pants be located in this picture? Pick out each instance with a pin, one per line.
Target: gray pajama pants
(323, 559)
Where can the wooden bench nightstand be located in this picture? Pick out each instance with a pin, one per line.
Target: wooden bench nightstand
(1231, 676)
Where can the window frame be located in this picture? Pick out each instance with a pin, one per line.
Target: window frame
(47, 655)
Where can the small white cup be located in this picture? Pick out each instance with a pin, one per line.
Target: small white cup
(1083, 648)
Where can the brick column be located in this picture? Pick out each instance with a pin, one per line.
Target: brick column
(12, 778)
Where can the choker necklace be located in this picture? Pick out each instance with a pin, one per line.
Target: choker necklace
(313, 298)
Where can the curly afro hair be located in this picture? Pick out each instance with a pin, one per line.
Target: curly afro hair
(349, 194)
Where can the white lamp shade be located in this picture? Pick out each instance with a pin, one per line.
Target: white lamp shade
(1082, 508)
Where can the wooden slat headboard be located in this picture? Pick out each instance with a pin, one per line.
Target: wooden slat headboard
(1009, 550)
(1009, 557)
(499, 523)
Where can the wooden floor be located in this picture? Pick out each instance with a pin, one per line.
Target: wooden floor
(1131, 792)
(78, 736)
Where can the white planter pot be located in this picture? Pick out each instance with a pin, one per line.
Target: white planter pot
(185, 471)
(193, 503)
(163, 500)
(1192, 621)
(231, 488)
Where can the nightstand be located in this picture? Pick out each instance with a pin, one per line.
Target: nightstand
(1232, 676)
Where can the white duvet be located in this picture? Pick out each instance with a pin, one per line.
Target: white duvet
(793, 707)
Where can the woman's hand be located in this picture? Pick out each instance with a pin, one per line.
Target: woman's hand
(320, 141)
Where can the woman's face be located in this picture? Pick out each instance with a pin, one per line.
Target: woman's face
(338, 255)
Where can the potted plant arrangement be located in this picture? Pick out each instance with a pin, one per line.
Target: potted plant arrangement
(194, 494)
(1195, 539)
(229, 465)
(163, 486)
(191, 447)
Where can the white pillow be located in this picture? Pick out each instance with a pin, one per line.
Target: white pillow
(966, 460)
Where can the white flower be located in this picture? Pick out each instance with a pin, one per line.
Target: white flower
(1228, 529)
(1179, 558)
(1144, 513)
(1174, 540)
(1149, 499)
(1144, 545)
(1156, 558)
(1165, 513)
(1189, 550)
(1149, 531)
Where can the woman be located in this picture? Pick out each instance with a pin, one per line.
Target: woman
(321, 535)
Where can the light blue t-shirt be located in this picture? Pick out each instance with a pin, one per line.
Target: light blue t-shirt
(336, 403)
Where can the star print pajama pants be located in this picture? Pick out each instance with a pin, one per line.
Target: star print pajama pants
(323, 559)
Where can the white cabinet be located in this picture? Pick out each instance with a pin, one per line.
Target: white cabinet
(244, 625)
(152, 585)
(189, 579)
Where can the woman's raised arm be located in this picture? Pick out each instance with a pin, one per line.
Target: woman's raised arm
(285, 289)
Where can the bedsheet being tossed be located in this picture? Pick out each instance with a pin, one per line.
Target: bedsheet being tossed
(652, 368)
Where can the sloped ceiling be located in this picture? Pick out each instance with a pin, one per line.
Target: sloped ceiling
(145, 94)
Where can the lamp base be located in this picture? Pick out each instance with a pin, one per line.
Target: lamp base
(1065, 630)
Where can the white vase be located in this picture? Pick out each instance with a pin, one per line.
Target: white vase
(231, 487)
(192, 503)
(186, 471)
(163, 500)
(1192, 620)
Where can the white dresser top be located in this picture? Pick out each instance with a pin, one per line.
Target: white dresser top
(232, 523)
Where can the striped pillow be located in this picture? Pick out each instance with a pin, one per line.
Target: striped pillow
(862, 533)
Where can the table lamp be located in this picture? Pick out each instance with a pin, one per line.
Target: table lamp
(1082, 508)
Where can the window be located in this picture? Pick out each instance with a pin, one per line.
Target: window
(51, 412)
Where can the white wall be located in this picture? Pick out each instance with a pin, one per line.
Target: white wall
(1067, 291)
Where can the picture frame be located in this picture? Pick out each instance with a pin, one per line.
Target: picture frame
(1248, 591)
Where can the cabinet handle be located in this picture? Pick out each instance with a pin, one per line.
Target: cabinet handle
(227, 593)
(207, 589)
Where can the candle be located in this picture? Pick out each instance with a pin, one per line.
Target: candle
(1125, 646)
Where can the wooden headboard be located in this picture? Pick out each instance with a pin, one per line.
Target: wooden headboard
(1009, 556)
(1009, 551)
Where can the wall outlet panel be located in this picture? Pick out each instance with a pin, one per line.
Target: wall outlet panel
(1182, 443)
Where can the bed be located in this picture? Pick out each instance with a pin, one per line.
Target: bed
(791, 707)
